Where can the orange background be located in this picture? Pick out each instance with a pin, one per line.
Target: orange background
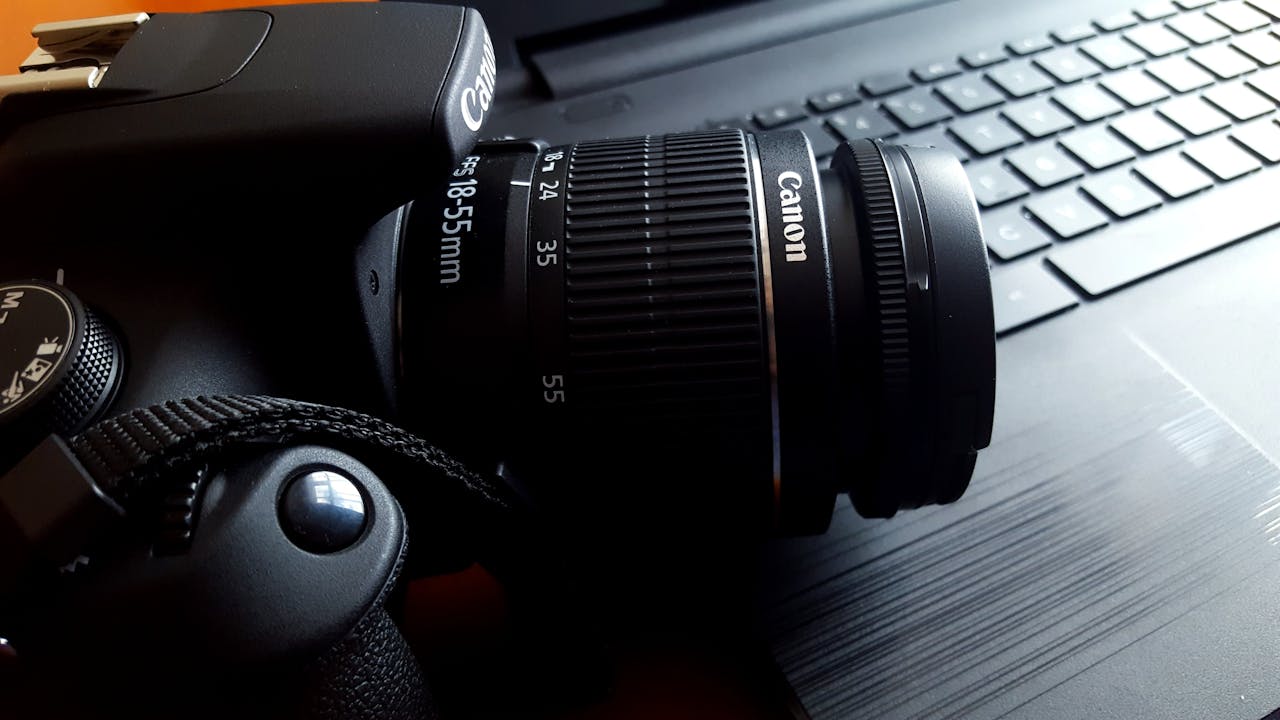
(17, 17)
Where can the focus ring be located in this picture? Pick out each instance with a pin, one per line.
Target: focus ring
(662, 283)
(888, 265)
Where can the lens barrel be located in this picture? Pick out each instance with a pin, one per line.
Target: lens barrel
(706, 315)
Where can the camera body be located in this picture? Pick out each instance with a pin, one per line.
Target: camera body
(290, 202)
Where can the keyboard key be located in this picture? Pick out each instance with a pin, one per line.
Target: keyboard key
(1009, 235)
(969, 93)
(861, 122)
(1121, 194)
(1195, 116)
(1175, 177)
(1238, 16)
(984, 57)
(1270, 7)
(1067, 65)
(1066, 213)
(1118, 21)
(936, 70)
(985, 134)
(1263, 47)
(1262, 137)
(1223, 158)
(1073, 33)
(885, 83)
(1024, 294)
(738, 123)
(1037, 118)
(1239, 101)
(993, 184)
(1267, 82)
(1156, 10)
(1198, 28)
(1096, 147)
(1030, 44)
(779, 115)
(1222, 61)
(834, 99)
(1179, 73)
(916, 108)
(1112, 52)
(1088, 102)
(934, 137)
(822, 142)
(1147, 245)
(1020, 79)
(1044, 165)
(1157, 40)
(1147, 131)
(1135, 87)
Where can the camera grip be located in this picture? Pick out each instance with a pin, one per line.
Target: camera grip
(371, 674)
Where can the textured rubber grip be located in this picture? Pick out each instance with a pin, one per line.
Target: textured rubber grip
(662, 282)
(84, 391)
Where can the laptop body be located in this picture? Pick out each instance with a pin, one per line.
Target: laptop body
(1116, 554)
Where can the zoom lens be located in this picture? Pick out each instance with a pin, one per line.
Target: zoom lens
(705, 322)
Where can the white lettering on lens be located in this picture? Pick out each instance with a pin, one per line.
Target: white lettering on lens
(476, 99)
(792, 215)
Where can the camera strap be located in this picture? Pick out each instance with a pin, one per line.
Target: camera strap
(67, 497)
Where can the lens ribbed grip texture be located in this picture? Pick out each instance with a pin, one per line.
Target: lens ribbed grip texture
(888, 264)
(662, 284)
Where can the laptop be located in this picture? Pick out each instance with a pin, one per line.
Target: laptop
(1116, 554)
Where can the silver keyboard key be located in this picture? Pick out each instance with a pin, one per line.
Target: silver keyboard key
(1157, 40)
(1112, 52)
(1135, 87)
(1037, 118)
(1223, 158)
(985, 134)
(1066, 213)
(1147, 131)
(1009, 235)
(1067, 65)
(1262, 137)
(1020, 78)
(1096, 147)
(1262, 46)
(1044, 165)
(1198, 28)
(1195, 116)
(1239, 101)
(1120, 193)
(1173, 174)
(1238, 16)
(1088, 102)
(1179, 73)
(1026, 293)
(993, 185)
(1222, 61)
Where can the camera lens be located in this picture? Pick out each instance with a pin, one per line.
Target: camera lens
(705, 320)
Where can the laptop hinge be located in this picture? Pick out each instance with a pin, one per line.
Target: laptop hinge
(658, 49)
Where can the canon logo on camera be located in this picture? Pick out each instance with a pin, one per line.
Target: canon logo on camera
(475, 100)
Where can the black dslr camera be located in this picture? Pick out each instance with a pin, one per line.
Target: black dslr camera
(256, 260)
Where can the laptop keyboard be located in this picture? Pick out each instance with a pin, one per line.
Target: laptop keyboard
(1100, 153)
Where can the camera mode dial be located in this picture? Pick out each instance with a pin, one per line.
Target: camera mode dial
(59, 363)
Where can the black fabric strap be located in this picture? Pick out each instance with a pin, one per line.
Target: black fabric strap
(130, 455)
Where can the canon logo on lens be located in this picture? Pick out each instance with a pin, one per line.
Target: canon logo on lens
(789, 197)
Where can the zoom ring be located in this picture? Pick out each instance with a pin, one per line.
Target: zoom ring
(662, 284)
